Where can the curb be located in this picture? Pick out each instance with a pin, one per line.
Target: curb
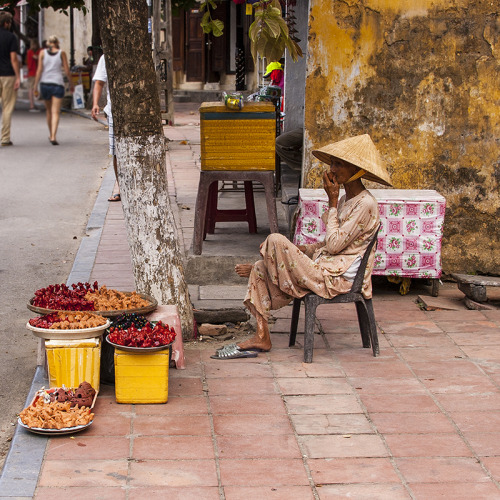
(19, 476)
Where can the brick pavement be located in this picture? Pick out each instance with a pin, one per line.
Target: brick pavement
(420, 421)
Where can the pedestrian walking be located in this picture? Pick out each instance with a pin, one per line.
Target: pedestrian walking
(101, 78)
(49, 75)
(10, 79)
(32, 63)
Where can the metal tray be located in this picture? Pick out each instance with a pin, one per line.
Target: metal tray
(52, 432)
(153, 304)
(138, 350)
(80, 333)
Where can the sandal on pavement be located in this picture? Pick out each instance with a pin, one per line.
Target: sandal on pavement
(115, 197)
(232, 351)
(232, 346)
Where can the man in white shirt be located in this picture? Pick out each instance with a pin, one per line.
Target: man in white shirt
(100, 78)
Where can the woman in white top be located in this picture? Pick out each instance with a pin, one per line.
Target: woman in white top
(49, 74)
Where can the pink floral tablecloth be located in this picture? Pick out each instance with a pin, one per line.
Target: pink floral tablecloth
(409, 241)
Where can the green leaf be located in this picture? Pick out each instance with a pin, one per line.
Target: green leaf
(274, 27)
(217, 27)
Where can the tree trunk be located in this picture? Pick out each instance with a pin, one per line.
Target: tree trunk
(140, 150)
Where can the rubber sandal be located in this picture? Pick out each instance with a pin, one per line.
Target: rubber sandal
(233, 352)
(252, 349)
(115, 197)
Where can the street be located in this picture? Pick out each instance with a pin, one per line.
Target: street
(46, 195)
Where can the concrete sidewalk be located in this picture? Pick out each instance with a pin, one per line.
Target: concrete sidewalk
(418, 422)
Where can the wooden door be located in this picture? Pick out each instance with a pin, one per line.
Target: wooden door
(195, 47)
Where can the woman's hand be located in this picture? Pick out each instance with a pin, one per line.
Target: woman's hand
(331, 187)
(302, 248)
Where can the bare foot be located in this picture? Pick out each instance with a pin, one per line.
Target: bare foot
(243, 270)
(262, 338)
(255, 343)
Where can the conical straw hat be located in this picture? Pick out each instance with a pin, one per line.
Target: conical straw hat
(361, 152)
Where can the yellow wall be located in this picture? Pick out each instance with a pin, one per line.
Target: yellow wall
(422, 78)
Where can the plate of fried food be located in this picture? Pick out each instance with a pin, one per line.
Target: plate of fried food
(60, 410)
(74, 325)
(97, 299)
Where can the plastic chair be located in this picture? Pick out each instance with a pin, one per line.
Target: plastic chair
(364, 308)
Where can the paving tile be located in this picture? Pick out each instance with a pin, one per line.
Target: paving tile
(250, 404)
(492, 315)
(107, 405)
(372, 386)
(373, 367)
(296, 354)
(178, 425)
(109, 425)
(493, 465)
(443, 369)
(189, 405)
(83, 473)
(184, 387)
(228, 425)
(281, 446)
(271, 492)
(173, 447)
(174, 493)
(347, 445)
(88, 448)
(398, 403)
(325, 404)
(424, 354)
(353, 352)
(451, 385)
(235, 368)
(240, 385)
(403, 339)
(283, 370)
(263, 472)
(468, 326)
(487, 352)
(298, 386)
(457, 491)
(79, 493)
(352, 470)
(391, 314)
(409, 327)
(340, 328)
(477, 421)
(463, 315)
(481, 338)
(484, 444)
(427, 445)
(332, 424)
(470, 402)
(173, 473)
(413, 423)
(370, 491)
(441, 470)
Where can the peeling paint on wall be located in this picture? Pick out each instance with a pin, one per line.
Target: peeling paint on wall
(421, 78)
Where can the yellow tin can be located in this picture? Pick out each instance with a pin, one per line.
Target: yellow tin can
(141, 378)
(71, 362)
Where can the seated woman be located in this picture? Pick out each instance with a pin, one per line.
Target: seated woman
(327, 268)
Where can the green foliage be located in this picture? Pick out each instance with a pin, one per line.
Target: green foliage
(269, 33)
(57, 5)
(209, 25)
(178, 5)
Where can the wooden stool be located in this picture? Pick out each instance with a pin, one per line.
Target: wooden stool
(214, 215)
(202, 224)
(474, 288)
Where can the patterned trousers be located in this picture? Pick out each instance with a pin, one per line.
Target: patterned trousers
(285, 273)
